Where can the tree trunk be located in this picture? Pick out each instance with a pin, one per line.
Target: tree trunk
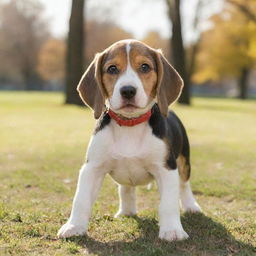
(177, 49)
(26, 73)
(243, 83)
(75, 56)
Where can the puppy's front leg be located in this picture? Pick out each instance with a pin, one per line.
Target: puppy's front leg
(169, 212)
(89, 183)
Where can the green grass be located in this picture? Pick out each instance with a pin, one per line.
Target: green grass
(42, 146)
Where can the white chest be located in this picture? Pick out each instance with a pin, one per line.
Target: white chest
(133, 153)
(127, 171)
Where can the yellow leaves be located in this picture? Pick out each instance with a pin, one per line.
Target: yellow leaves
(252, 43)
(228, 47)
(252, 49)
(51, 62)
(204, 75)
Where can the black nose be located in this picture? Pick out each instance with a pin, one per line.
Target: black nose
(128, 91)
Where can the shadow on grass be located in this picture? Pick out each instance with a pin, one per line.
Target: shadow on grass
(207, 237)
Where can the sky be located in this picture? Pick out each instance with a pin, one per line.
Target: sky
(136, 16)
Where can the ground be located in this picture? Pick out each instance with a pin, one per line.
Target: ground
(42, 146)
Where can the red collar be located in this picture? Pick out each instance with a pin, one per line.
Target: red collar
(129, 122)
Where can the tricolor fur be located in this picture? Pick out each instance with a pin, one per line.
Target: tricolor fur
(131, 79)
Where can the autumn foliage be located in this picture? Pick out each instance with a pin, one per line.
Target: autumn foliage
(229, 46)
(51, 60)
(31, 56)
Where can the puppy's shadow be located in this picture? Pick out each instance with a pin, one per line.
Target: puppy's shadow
(207, 237)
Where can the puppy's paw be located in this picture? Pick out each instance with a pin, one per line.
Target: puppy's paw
(173, 234)
(68, 230)
(121, 213)
(191, 207)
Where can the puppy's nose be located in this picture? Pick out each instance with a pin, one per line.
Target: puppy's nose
(128, 92)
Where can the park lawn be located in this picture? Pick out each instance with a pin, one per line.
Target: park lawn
(42, 146)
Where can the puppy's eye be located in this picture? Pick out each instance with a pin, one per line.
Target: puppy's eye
(145, 68)
(113, 70)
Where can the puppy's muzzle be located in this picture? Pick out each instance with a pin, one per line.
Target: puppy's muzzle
(128, 92)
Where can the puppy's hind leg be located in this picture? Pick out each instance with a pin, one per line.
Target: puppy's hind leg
(188, 202)
(127, 201)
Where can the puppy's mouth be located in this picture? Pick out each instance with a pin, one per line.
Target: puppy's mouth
(129, 107)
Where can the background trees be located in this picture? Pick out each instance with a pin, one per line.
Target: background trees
(228, 48)
(184, 57)
(51, 60)
(220, 54)
(23, 30)
(75, 52)
(177, 48)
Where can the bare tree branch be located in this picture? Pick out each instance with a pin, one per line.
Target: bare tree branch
(243, 8)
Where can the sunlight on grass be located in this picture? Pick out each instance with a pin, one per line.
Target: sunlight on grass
(43, 144)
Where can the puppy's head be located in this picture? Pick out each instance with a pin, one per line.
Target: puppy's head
(128, 76)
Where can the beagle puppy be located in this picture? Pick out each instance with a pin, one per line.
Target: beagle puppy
(129, 86)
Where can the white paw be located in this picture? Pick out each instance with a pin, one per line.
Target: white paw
(124, 213)
(192, 207)
(150, 186)
(68, 230)
(173, 234)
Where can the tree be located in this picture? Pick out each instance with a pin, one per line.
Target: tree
(228, 48)
(75, 52)
(99, 36)
(177, 48)
(248, 9)
(22, 32)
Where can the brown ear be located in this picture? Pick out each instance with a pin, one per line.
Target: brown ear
(170, 84)
(90, 87)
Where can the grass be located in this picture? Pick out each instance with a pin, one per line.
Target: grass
(42, 146)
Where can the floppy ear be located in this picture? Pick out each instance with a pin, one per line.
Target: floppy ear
(90, 87)
(169, 85)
